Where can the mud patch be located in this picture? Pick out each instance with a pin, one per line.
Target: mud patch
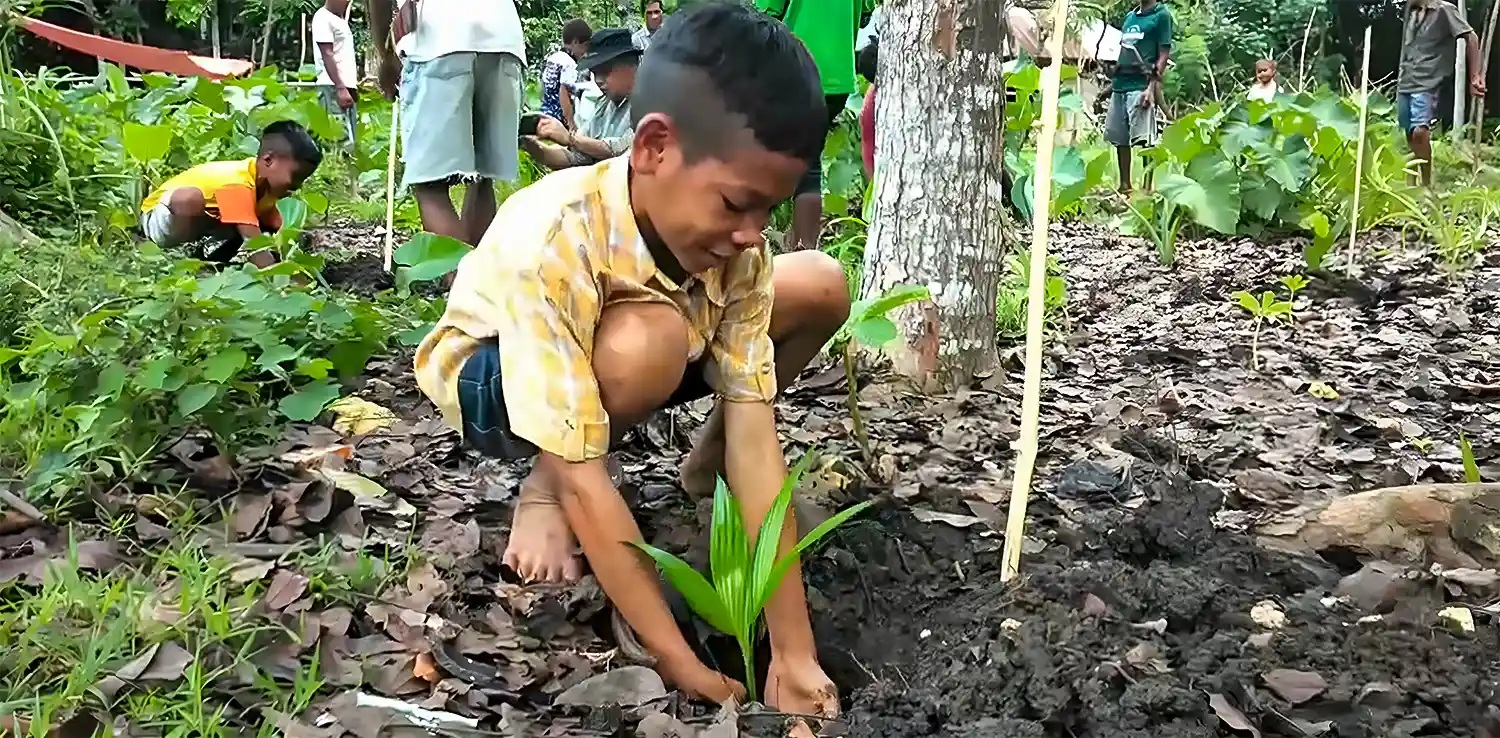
(1124, 626)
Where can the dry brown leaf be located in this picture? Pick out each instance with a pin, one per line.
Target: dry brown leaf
(284, 589)
(250, 513)
(1231, 715)
(1094, 606)
(935, 516)
(425, 668)
(1294, 686)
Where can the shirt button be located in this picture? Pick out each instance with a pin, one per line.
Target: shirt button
(766, 367)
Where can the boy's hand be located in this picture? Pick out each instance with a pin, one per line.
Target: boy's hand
(699, 681)
(345, 98)
(799, 685)
(1476, 85)
(1149, 98)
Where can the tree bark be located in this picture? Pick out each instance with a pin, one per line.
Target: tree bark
(265, 38)
(938, 215)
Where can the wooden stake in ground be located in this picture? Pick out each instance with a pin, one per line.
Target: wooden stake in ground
(1036, 295)
(390, 185)
(1359, 149)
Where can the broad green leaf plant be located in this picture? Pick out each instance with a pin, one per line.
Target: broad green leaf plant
(744, 574)
(427, 256)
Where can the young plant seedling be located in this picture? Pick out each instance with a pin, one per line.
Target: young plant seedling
(867, 324)
(1293, 283)
(285, 243)
(1471, 465)
(744, 574)
(1266, 308)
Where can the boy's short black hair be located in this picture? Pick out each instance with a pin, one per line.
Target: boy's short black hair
(577, 31)
(289, 138)
(647, 3)
(868, 59)
(721, 66)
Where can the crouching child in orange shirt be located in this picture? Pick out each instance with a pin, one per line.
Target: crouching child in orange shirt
(231, 202)
(601, 294)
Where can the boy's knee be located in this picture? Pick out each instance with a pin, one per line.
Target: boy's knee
(640, 354)
(187, 201)
(812, 290)
(1421, 136)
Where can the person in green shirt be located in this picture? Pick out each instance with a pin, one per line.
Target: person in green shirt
(1145, 46)
(828, 28)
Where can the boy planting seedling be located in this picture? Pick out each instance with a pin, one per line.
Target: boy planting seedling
(604, 293)
(231, 202)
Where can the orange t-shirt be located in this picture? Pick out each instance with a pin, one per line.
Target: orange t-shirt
(228, 189)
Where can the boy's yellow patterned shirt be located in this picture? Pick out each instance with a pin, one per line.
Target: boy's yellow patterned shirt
(557, 254)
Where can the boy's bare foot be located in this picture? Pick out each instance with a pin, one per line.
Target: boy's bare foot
(541, 546)
(799, 686)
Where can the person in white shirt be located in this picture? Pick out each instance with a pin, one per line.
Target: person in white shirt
(560, 74)
(338, 75)
(461, 90)
(652, 15)
(1264, 88)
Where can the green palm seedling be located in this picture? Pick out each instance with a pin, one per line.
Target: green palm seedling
(744, 576)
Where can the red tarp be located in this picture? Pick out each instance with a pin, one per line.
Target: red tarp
(147, 58)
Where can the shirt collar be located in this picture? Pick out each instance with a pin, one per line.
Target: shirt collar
(622, 222)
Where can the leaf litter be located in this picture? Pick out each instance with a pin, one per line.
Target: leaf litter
(1159, 448)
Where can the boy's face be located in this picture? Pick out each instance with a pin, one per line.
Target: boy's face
(1264, 73)
(577, 49)
(283, 174)
(709, 210)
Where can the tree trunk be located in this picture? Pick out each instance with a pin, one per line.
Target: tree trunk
(265, 38)
(13, 233)
(938, 216)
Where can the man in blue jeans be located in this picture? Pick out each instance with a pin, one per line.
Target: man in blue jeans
(1426, 59)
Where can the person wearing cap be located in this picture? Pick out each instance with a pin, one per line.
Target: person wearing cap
(612, 59)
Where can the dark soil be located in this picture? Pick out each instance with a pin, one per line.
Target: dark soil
(1160, 449)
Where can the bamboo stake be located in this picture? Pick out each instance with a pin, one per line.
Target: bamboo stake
(1359, 151)
(1477, 114)
(1015, 525)
(390, 186)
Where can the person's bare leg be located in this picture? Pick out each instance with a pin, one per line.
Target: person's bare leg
(1421, 147)
(479, 209)
(640, 354)
(436, 207)
(812, 302)
(807, 221)
(188, 208)
(1122, 157)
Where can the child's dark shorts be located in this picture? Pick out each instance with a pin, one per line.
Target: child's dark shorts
(486, 420)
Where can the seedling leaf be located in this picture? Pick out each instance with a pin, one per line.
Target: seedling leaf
(875, 331)
(700, 595)
(1471, 465)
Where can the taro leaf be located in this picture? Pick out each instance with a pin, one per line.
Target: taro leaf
(700, 595)
(1330, 112)
(147, 143)
(1236, 136)
(1070, 177)
(307, 402)
(415, 335)
(111, 380)
(1294, 686)
(429, 256)
(1292, 166)
(195, 397)
(1210, 191)
(875, 331)
(315, 201)
(1260, 196)
(1471, 465)
(223, 365)
(1231, 715)
(293, 217)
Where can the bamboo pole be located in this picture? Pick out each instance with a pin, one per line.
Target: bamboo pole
(1359, 150)
(1485, 48)
(390, 186)
(1036, 296)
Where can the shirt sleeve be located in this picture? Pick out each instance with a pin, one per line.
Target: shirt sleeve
(1456, 24)
(322, 30)
(743, 355)
(236, 205)
(1163, 32)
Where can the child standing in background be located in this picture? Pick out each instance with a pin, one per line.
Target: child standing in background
(560, 74)
(1264, 88)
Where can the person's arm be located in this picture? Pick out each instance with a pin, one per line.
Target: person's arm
(1163, 55)
(236, 205)
(598, 149)
(551, 157)
(381, 14)
(565, 98)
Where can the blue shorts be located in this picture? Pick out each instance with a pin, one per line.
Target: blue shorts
(461, 118)
(486, 421)
(1416, 110)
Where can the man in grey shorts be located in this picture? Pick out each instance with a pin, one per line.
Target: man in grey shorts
(1145, 45)
(461, 90)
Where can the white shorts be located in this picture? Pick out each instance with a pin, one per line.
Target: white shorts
(156, 223)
